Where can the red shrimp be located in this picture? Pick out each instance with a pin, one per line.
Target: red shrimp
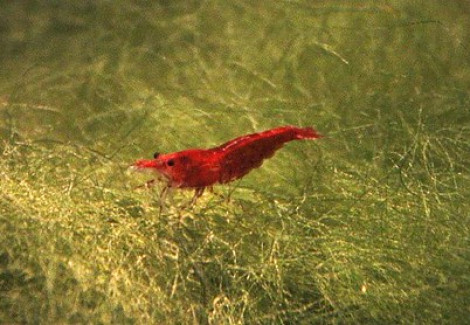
(202, 168)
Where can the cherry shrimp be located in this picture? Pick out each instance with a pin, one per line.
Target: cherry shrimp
(199, 169)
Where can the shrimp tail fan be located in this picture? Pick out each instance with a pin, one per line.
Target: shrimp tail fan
(306, 133)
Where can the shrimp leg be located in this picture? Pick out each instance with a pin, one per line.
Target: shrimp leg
(163, 195)
(197, 194)
(147, 184)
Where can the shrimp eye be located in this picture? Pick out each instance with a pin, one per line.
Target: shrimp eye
(155, 155)
(170, 162)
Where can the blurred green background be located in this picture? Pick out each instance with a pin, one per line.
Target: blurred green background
(367, 225)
